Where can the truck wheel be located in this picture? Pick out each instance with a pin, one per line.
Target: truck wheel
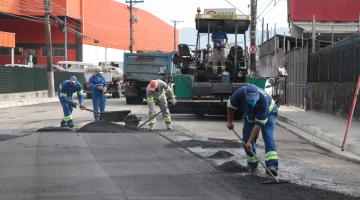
(131, 100)
(88, 95)
(116, 95)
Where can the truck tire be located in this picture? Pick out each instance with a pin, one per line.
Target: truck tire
(131, 100)
(88, 95)
(115, 95)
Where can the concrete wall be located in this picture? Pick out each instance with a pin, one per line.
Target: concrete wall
(332, 97)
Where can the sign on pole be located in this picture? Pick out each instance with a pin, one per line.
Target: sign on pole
(252, 49)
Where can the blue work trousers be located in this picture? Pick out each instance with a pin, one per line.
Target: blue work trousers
(99, 102)
(67, 109)
(271, 158)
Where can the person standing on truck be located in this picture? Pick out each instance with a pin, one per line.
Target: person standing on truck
(159, 91)
(97, 84)
(260, 114)
(65, 93)
(220, 39)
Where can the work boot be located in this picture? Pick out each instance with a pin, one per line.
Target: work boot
(168, 127)
(63, 124)
(151, 127)
(252, 168)
(273, 170)
(70, 123)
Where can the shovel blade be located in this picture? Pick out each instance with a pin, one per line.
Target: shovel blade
(275, 181)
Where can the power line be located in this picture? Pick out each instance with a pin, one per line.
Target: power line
(227, 1)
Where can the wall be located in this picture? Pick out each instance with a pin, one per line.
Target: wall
(333, 97)
(112, 29)
(325, 10)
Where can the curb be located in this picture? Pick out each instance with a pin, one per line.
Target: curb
(316, 141)
(27, 102)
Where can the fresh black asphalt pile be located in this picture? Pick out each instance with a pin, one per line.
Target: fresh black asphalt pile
(206, 144)
(4, 137)
(252, 187)
(54, 129)
(104, 127)
(232, 166)
(221, 155)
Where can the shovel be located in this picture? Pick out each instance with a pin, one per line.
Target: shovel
(111, 116)
(274, 180)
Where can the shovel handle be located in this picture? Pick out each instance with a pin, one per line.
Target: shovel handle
(254, 155)
(141, 125)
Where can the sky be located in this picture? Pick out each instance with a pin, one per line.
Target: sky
(185, 10)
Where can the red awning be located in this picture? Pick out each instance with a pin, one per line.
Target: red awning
(7, 39)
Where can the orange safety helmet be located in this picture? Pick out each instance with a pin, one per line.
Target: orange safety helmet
(153, 85)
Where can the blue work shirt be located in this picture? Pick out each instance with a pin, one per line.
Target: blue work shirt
(67, 89)
(95, 82)
(220, 37)
(257, 114)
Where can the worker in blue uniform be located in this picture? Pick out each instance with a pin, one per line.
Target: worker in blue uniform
(97, 84)
(260, 113)
(65, 93)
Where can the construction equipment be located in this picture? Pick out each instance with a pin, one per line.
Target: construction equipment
(274, 180)
(111, 116)
(206, 82)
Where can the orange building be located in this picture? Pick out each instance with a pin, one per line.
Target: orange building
(97, 30)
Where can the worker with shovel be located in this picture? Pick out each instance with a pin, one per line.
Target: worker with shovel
(97, 84)
(260, 114)
(159, 91)
(65, 93)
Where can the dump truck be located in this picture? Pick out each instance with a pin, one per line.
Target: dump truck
(141, 68)
(204, 83)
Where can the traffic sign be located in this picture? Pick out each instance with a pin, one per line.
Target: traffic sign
(252, 49)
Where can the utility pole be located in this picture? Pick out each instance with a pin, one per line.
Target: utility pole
(132, 21)
(50, 72)
(313, 36)
(65, 39)
(262, 31)
(175, 22)
(253, 35)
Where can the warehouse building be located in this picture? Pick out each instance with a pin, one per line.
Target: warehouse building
(97, 31)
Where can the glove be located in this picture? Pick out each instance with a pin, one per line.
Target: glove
(100, 87)
(82, 106)
(173, 102)
(73, 104)
(104, 89)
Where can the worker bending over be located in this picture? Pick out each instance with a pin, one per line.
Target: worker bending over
(97, 84)
(260, 113)
(65, 93)
(159, 91)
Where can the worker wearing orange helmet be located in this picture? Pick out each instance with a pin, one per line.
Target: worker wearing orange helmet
(159, 91)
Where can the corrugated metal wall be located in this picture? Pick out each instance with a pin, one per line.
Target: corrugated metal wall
(15, 79)
(296, 82)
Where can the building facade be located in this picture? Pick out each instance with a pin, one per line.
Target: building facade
(97, 31)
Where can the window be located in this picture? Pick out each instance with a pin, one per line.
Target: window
(18, 51)
(58, 52)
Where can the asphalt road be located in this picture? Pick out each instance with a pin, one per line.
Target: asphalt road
(149, 165)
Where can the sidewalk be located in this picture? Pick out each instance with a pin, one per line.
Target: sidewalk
(323, 130)
(26, 102)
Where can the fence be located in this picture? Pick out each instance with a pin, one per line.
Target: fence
(15, 79)
(296, 62)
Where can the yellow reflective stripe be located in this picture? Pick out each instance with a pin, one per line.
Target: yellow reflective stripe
(168, 89)
(167, 120)
(150, 100)
(228, 105)
(161, 95)
(262, 121)
(63, 94)
(249, 119)
(252, 159)
(153, 120)
(67, 118)
(271, 155)
(272, 105)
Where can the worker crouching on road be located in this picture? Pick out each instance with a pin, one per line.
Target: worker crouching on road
(97, 84)
(159, 91)
(260, 114)
(65, 93)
